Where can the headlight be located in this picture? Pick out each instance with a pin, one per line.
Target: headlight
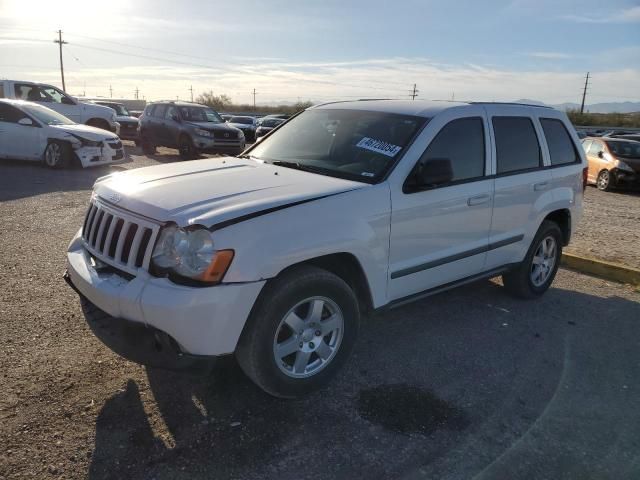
(84, 142)
(623, 166)
(190, 253)
(203, 133)
(240, 134)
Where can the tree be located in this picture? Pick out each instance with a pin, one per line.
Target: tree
(217, 102)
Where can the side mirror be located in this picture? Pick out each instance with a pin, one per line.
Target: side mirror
(68, 101)
(601, 154)
(27, 122)
(435, 171)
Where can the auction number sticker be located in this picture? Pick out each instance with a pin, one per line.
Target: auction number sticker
(378, 146)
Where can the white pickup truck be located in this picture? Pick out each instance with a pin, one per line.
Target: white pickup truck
(57, 100)
(346, 208)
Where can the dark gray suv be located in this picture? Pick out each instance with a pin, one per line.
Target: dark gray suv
(190, 127)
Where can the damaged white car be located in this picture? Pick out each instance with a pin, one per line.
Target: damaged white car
(29, 131)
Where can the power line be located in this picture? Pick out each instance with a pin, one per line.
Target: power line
(61, 42)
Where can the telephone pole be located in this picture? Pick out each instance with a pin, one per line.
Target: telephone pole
(191, 90)
(414, 92)
(61, 42)
(110, 92)
(254, 98)
(584, 92)
(137, 92)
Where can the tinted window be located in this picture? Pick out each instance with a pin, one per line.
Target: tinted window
(28, 92)
(462, 142)
(171, 112)
(10, 114)
(159, 111)
(560, 145)
(516, 144)
(624, 149)
(1, 90)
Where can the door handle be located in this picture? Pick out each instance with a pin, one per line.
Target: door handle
(478, 200)
(540, 186)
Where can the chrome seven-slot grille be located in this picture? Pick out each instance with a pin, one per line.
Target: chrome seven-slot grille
(118, 238)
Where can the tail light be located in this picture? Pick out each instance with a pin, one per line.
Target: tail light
(585, 173)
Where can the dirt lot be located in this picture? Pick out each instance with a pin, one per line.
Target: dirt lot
(610, 227)
(470, 383)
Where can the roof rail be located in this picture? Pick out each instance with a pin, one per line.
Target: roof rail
(511, 103)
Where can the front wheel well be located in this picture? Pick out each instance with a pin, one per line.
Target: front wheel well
(348, 268)
(98, 123)
(562, 218)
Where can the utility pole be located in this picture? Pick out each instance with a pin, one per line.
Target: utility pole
(414, 92)
(136, 93)
(254, 98)
(191, 90)
(110, 92)
(61, 42)
(584, 92)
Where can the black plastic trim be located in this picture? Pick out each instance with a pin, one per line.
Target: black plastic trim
(458, 256)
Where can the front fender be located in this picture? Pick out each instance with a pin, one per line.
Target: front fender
(355, 222)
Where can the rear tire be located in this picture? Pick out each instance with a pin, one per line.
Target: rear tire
(57, 155)
(535, 274)
(300, 332)
(604, 181)
(148, 148)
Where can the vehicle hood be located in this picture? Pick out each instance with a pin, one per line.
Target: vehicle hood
(633, 162)
(98, 111)
(241, 125)
(126, 119)
(214, 190)
(85, 131)
(213, 126)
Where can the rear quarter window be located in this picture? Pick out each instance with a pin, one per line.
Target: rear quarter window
(517, 146)
(561, 148)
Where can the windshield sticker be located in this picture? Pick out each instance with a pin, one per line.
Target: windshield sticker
(379, 146)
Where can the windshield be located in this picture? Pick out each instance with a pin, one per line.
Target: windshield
(243, 120)
(353, 144)
(624, 149)
(120, 110)
(46, 115)
(271, 122)
(200, 114)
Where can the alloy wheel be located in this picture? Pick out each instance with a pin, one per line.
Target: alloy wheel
(53, 155)
(308, 337)
(543, 261)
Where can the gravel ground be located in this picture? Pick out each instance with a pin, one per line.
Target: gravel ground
(610, 227)
(468, 383)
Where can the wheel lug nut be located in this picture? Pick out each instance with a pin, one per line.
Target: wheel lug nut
(311, 345)
(301, 344)
(318, 333)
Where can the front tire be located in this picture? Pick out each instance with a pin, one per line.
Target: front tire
(535, 274)
(57, 155)
(300, 332)
(186, 148)
(148, 148)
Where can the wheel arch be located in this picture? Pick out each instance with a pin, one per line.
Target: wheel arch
(94, 121)
(347, 267)
(562, 218)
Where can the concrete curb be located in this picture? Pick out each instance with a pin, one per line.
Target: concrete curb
(600, 268)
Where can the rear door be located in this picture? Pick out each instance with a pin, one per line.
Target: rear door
(439, 233)
(156, 124)
(17, 141)
(521, 182)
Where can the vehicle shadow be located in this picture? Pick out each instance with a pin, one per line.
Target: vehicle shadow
(465, 382)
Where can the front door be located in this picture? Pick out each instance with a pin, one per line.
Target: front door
(439, 232)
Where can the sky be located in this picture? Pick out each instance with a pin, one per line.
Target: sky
(328, 50)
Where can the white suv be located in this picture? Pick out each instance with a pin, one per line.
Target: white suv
(345, 209)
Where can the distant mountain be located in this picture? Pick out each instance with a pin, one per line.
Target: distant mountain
(611, 107)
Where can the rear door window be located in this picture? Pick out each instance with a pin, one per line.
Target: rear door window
(595, 148)
(9, 114)
(159, 111)
(517, 146)
(585, 145)
(561, 148)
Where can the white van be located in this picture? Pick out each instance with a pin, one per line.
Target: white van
(57, 100)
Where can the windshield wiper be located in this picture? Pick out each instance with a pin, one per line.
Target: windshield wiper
(299, 166)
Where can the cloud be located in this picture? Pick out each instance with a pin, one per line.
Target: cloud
(551, 55)
(629, 15)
